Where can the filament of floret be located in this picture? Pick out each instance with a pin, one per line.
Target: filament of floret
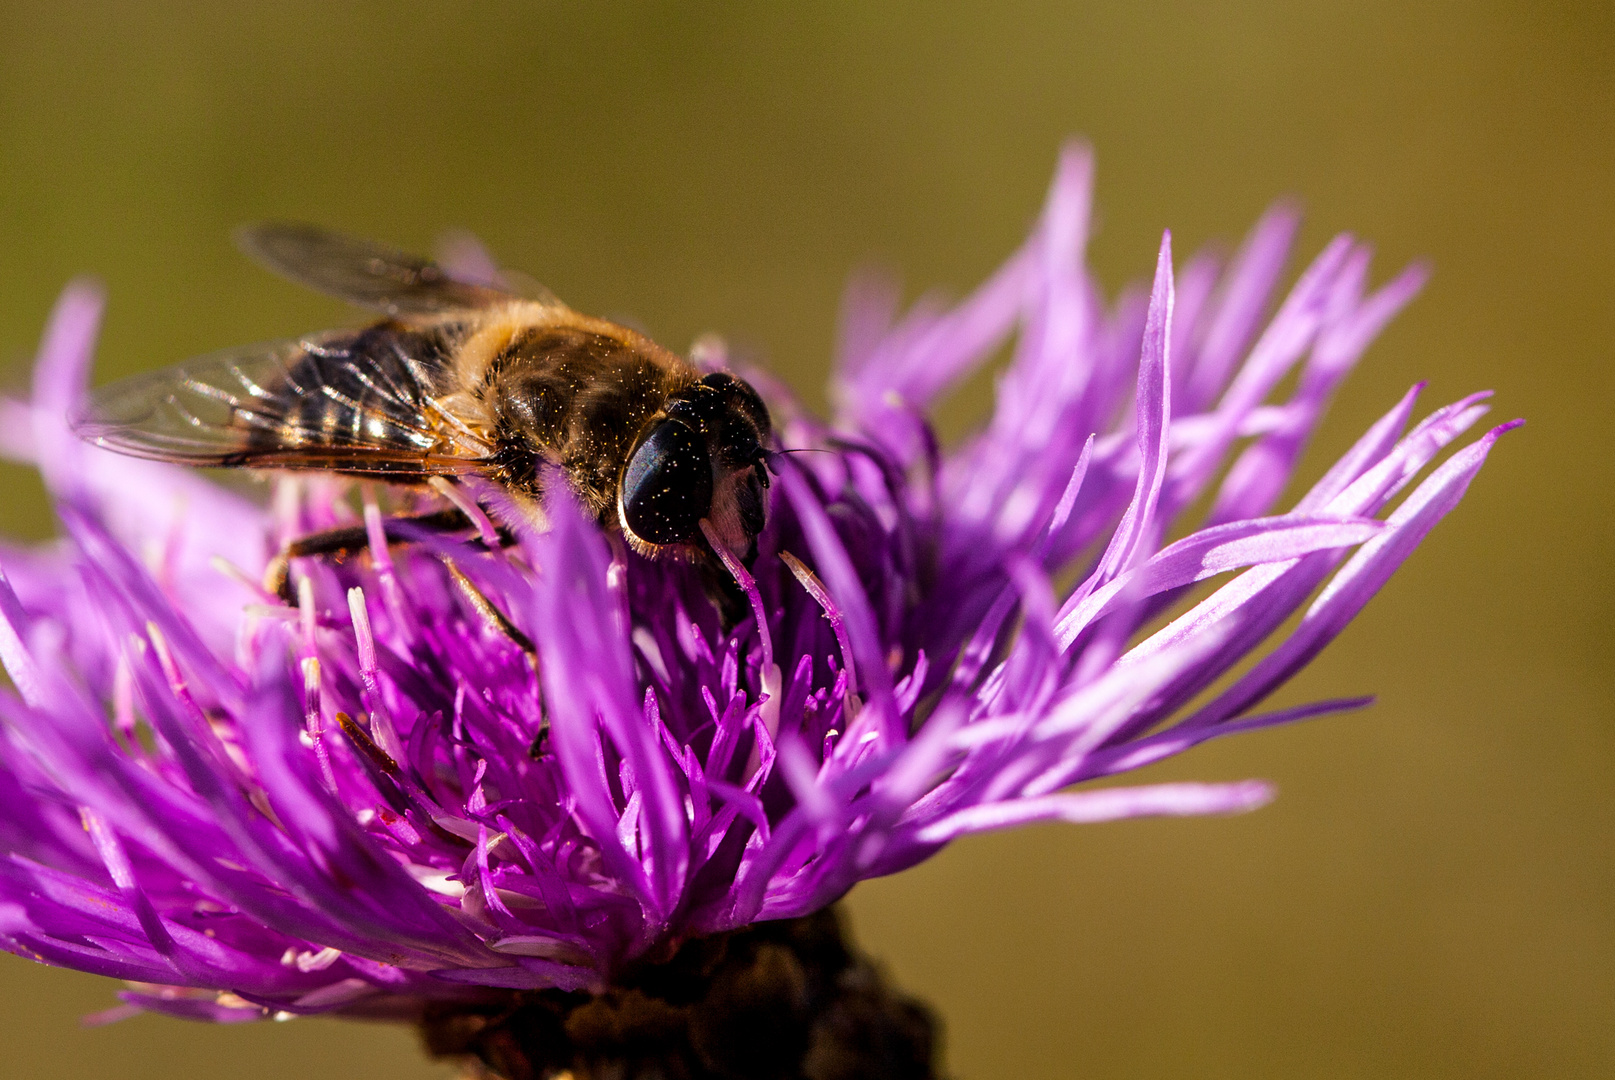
(381, 726)
(314, 723)
(770, 680)
(832, 614)
(13, 652)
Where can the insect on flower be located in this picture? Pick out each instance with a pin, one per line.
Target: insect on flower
(459, 379)
(246, 807)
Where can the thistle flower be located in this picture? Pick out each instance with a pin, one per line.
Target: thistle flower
(377, 798)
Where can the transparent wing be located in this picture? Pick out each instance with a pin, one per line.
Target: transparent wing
(373, 276)
(365, 402)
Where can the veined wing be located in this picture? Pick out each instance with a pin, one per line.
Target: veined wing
(366, 402)
(372, 275)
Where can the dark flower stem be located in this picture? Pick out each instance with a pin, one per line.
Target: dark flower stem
(787, 1000)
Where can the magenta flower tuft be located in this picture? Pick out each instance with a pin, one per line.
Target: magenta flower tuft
(352, 804)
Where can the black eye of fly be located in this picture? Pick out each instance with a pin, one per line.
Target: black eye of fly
(667, 486)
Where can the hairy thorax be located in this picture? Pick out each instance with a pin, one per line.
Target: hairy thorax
(573, 393)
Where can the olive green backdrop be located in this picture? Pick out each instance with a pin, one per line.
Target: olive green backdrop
(1433, 894)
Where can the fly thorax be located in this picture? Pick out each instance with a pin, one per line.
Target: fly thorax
(573, 398)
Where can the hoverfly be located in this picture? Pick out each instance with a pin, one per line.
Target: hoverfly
(459, 378)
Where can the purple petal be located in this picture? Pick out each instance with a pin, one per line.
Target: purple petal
(1154, 412)
(589, 687)
(1218, 550)
(1249, 282)
(1358, 580)
(1109, 805)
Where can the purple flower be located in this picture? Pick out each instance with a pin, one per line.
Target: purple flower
(244, 807)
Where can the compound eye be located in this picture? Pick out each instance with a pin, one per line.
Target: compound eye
(667, 487)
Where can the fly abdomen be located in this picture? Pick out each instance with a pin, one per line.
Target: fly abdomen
(368, 387)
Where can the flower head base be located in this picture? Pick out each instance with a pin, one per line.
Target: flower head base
(378, 797)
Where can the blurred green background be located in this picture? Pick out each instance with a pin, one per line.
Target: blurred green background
(1432, 895)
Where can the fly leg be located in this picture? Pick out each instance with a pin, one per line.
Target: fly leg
(496, 619)
(490, 612)
(345, 541)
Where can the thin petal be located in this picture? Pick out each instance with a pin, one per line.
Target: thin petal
(1109, 805)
